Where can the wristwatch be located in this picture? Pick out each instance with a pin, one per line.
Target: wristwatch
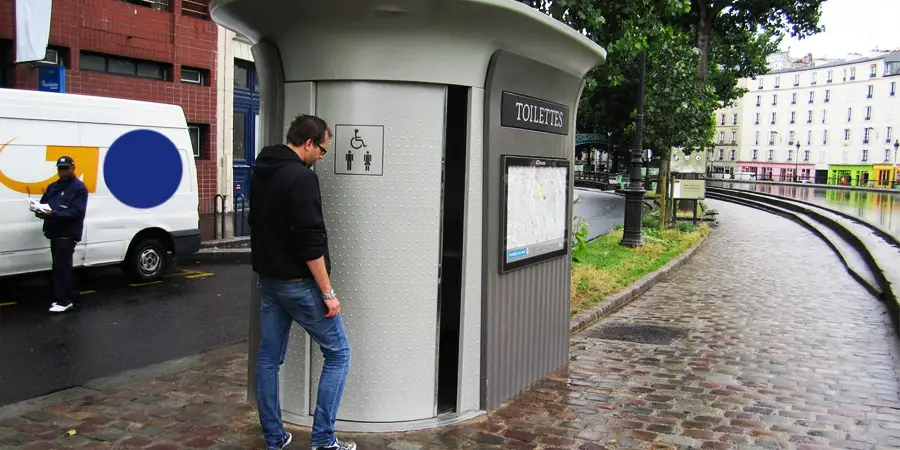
(330, 295)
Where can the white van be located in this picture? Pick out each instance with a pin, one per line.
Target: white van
(136, 160)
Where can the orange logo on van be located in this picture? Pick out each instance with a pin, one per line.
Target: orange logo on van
(87, 162)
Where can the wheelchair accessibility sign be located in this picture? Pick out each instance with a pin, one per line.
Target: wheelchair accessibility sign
(359, 149)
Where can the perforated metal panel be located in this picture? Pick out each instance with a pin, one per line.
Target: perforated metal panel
(300, 98)
(470, 348)
(384, 239)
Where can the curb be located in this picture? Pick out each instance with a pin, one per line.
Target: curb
(616, 301)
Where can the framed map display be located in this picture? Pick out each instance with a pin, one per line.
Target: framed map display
(533, 205)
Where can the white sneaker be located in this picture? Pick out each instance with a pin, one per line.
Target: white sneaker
(57, 308)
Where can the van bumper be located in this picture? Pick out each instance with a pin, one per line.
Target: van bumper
(186, 241)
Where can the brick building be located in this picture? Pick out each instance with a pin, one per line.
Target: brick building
(152, 50)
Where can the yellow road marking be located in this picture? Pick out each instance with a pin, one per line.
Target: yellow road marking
(87, 292)
(8, 304)
(144, 284)
(200, 275)
(182, 273)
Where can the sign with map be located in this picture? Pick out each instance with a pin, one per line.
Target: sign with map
(534, 202)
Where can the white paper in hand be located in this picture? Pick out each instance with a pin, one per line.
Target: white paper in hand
(34, 206)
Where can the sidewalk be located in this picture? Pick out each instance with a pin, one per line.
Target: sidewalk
(775, 346)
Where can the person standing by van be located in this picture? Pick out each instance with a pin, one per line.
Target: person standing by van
(289, 253)
(64, 226)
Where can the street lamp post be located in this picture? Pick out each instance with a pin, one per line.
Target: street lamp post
(896, 146)
(634, 193)
(796, 161)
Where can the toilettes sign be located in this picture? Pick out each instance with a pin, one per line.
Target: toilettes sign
(519, 111)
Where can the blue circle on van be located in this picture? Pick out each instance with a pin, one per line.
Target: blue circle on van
(142, 169)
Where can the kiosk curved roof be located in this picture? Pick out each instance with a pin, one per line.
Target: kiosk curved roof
(434, 41)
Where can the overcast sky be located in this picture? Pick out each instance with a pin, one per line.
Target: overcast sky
(851, 26)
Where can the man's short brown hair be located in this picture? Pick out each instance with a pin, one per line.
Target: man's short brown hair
(306, 127)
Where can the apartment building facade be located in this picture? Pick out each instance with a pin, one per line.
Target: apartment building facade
(832, 123)
(153, 50)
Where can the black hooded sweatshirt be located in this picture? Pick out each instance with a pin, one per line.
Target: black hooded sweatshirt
(287, 228)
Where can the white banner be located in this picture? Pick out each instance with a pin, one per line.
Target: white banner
(32, 29)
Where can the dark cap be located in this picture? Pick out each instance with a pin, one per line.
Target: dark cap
(65, 161)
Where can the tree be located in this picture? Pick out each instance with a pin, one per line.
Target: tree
(799, 17)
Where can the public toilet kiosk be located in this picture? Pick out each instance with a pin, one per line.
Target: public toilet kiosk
(447, 194)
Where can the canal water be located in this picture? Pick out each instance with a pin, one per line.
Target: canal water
(881, 209)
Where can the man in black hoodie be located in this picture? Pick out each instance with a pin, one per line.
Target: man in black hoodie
(289, 252)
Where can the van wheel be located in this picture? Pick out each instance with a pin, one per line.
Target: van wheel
(148, 260)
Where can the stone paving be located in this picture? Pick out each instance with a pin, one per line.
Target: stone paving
(782, 350)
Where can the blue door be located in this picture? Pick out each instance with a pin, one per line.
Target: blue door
(246, 129)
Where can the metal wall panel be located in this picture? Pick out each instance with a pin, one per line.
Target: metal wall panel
(525, 312)
(384, 236)
(300, 98)
(271, 108)
(470, 332)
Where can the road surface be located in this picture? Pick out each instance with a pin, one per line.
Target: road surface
(117, 326)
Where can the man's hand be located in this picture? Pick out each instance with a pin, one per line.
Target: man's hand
(334, 307)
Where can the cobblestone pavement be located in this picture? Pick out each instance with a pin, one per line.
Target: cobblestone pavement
(783, 350)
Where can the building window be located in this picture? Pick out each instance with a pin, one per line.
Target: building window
(118, 65)
(870, 92)
(791, 137)
(868, 113)
(866, 135)
(774, 99)
(195, 8)
(809, 137)
(849, 114)
(758, 100)
(190, 75)
(721, 154)
(245, 77)
(755, 154)
(196, 132)
(812, 96)
(797, 80)
(771, 155)
(721, 137)
(892, 68)
(722, 122)
(756, 119)
(873, 70)
(893, 88)
(806, 155)
(159, 5)
(733, 155)
(865, 156)
(777, 82)
(757, 138)
(793, 116)
(830, 76)
(734, 137)
(794, 98)
(824, 137)
(790, 155)
(814, 76)
(852, 73)
(846, 134)
(760, 83)
(772, 137)
(887, 155)
(827, 95)
(773, 119)
(821, 155)
(809, 116)
(823, 115)
(734, 120)
(888, 134)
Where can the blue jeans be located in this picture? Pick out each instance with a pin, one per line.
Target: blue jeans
(280, 303)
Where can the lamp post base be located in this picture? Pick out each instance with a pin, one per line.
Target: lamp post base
(634, 211)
